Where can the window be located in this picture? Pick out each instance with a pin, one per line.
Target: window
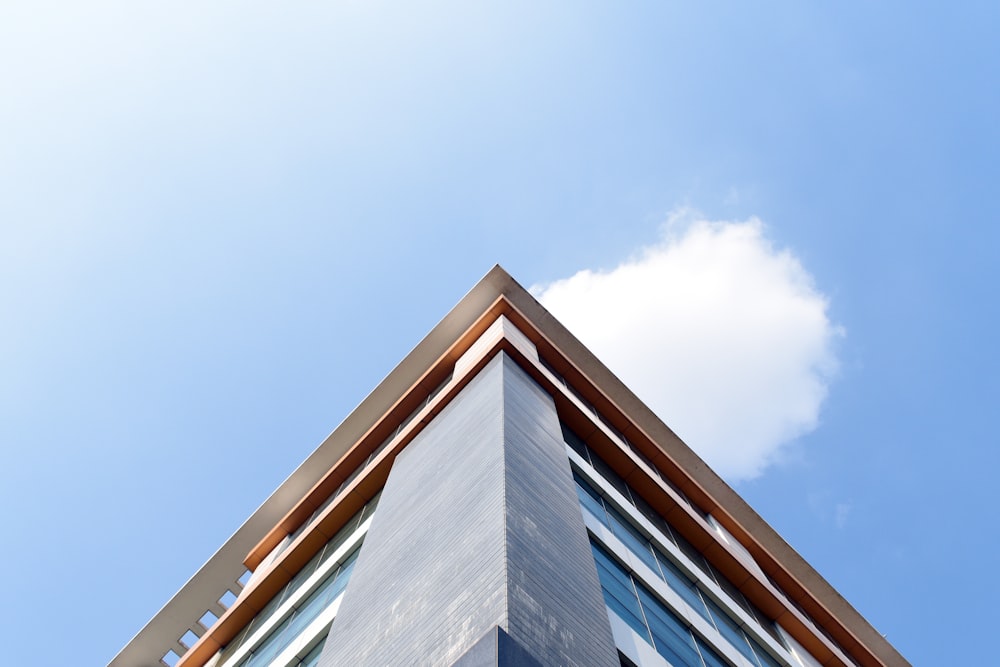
(340, 573)
(301, 615)
(649, 617)
(664, 567)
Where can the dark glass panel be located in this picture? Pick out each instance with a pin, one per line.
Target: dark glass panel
(590, 499)
(619, 593)
(269, 648)
(766, 660)
(732, 632)
(625, 662)
(682, 585)
(653, 516)
(312, 658)
(575, 443)
(671, 637)
(711, 658)
(608, 473)
(633, 539)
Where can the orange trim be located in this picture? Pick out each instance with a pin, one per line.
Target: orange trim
(702, 536)
(306, 545)
(692, 527)
(372, 479)
(375, 435)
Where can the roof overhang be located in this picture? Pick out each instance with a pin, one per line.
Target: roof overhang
(420, 372)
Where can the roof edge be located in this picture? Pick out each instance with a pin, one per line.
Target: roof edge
(171, 621)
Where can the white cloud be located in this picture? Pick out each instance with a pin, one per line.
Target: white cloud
(723, 335)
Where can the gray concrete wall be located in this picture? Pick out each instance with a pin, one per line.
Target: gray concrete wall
(478, 527)
(555, 608)
(497, 648)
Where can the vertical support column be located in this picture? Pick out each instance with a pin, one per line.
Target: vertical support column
(555, 608)
(478, 541)
(429, 580)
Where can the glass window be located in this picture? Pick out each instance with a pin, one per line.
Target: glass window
(590, 499)
(302, 575)
(732, 632)
(305, 613)
(574, 441)
(651, 618)
(625, 662)
(619, 593)
(662, 565)
(312, 658)
(682, 585)
(671, 637)
(711, 658)
(633, 539)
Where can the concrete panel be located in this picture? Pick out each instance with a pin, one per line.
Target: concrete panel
(497, 649)
(555, 607)
(429, 581)
(478, 531)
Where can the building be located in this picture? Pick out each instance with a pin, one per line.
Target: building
(501, 498)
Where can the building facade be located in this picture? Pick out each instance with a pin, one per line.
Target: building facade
(502, 499)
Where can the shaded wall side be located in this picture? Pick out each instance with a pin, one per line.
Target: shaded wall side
(430, 579)
(497, 649)
(555, 606)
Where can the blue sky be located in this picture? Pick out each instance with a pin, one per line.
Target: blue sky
(222, 223)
